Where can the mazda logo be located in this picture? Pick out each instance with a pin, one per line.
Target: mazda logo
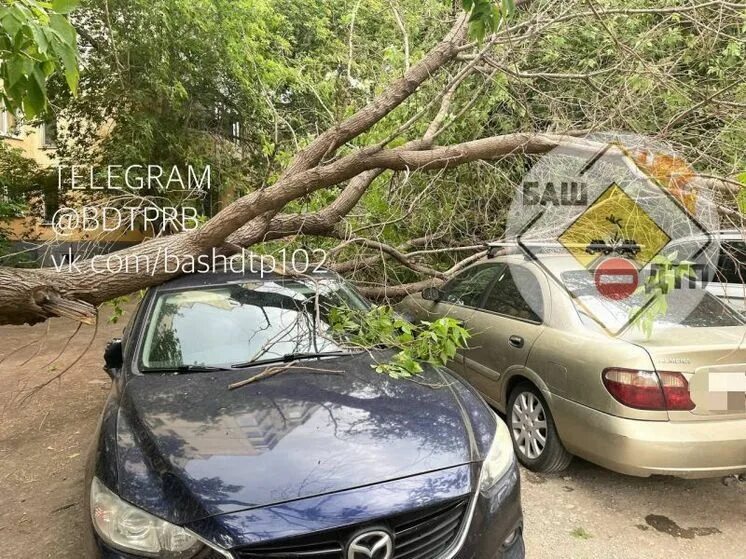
(375, 544)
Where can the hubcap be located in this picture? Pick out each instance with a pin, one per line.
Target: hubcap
(529, 425)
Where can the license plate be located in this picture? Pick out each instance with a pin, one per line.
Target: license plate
(726, 392)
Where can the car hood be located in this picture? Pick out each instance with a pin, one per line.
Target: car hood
(188, 447)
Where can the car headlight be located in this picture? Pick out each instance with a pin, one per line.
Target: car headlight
(500, 457)
(129, 529)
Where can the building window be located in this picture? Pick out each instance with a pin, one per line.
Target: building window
(8, 124)
(49, 134)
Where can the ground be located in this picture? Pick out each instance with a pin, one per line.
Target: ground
(586, 512)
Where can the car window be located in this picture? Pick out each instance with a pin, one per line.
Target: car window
(240, 322)
(505, 297)
(694, 308)
(732, 263)
(469, 286)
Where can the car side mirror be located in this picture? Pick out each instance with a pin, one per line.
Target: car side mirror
(113, 357)
(432, 294)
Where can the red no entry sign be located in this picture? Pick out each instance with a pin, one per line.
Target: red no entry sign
(616, 278)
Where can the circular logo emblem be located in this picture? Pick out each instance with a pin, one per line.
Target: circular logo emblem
(375, 544)
(616, 278)
(616, 220)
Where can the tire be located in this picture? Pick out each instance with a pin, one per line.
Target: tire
(534, 434)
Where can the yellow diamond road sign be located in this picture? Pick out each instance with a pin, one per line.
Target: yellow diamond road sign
(614, 223)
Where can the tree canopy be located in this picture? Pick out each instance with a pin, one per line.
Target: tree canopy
(352, 122)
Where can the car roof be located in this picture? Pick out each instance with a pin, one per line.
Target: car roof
(724, 234)
(557, 263)
(222, 277)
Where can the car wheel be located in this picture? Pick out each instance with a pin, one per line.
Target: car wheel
(534, 435)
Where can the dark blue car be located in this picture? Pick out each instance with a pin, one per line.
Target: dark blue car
(324, 459)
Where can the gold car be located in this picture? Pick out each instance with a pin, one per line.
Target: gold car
(671, 403)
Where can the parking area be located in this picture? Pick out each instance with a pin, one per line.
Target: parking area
(586, 512)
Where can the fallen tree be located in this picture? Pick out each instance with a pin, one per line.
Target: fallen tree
(336, 156)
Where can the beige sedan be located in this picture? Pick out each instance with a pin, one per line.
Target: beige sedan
(670, 404)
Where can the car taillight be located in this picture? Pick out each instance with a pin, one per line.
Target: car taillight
(648, 390)
(676, 390)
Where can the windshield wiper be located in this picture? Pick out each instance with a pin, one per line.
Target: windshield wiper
(289, 357)
(184, 369)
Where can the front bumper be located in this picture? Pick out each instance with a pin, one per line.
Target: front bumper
(493, 531)
(693, 449)
(496, 530)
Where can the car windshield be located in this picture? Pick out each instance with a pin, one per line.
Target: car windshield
(241, 322)
(694, 308)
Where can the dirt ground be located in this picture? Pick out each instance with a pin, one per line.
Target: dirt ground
(586, 512)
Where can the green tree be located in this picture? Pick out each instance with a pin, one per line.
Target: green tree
(237, 84)
(37, 41)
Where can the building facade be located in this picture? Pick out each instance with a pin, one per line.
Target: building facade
(32, 238)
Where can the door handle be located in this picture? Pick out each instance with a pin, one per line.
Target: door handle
(515, 341)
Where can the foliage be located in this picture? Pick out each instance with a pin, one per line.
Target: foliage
(284, 69)
(654, 73)
(18, 175)
(8, 210)
(665, 274)
(426, 342)
(175, 75)
(236, 84)
(117, 308)
(36, 42)
(485, 16)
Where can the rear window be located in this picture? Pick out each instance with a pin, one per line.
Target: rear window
(693, 308)
(240, 322)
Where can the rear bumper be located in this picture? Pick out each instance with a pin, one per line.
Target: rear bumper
(695, 449)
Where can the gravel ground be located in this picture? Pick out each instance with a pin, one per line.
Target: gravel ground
(586, 512)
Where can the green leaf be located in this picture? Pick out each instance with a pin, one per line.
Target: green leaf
(427, 342)
(70, 63)
(477, 30)
(36, 100)
(10, 23)
(42, 44)
(36, 42)
(60, 24)
(64, 6)
(15, 70)
(508, 7)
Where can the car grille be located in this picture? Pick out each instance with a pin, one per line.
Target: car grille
(422, 534)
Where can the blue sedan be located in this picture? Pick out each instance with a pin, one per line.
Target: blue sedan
(323, 459)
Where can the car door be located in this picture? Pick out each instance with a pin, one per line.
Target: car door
(459, 299)
(509, 320)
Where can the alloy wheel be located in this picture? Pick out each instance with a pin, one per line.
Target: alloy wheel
(529, 425)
